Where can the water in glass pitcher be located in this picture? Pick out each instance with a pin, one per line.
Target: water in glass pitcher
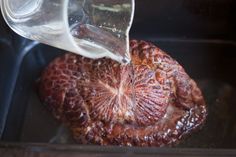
(102, 27)
(92, 28)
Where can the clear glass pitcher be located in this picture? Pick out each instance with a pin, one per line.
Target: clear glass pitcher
(92, 28)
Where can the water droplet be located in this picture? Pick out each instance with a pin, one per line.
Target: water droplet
(125, 61)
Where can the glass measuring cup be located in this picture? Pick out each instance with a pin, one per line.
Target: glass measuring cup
(92, 28)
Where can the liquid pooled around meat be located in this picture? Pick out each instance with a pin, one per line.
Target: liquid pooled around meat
(149, 102)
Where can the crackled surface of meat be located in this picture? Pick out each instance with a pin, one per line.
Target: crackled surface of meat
(149, 102)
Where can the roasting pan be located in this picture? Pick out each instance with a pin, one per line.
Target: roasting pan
(199, 34)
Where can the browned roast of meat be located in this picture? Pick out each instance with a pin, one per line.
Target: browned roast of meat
(149, 102)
